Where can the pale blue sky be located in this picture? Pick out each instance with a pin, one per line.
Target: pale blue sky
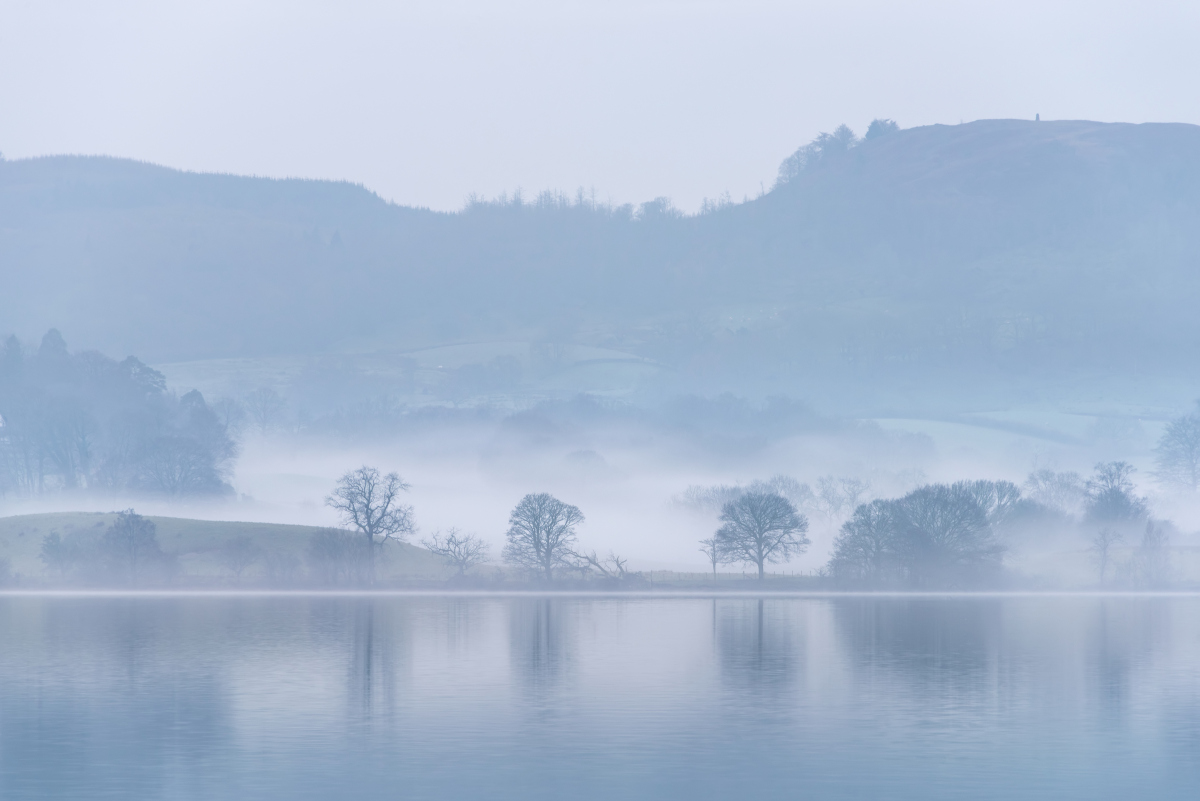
(426, 102)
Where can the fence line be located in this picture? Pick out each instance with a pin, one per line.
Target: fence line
(667, 576)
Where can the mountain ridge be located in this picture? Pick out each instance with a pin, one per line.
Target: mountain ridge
(978, 251)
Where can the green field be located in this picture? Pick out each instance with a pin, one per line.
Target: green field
(197, 544)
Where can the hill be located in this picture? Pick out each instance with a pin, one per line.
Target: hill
(196, 547)
(993, 259)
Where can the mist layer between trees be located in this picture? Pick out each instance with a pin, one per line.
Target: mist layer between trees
(641, 365)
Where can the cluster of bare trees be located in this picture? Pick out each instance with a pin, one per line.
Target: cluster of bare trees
(261, 410)
(832, 498)
(938, 535)
(1115, 515)
(953, 535)
(82, 421)
(542, 540)
(1177, 457)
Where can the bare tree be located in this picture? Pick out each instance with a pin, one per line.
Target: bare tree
(1062, 491)
(1102, 544)
(709, 499)
(713, 498)
(1177, 457)
(232, 415)
(1152, 562)
(265, 407)
(1110, 494)
(800, 494)
(762, 527)
(237, 554)
(836, 497)
(713, 549)
(177, 466)
(854, 490)
(370, 503)
(944, 534)
(866, 548)
(611, 566)
(461, 551)
(541, 533)
(997, 499)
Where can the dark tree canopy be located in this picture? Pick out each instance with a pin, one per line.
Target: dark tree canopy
(762, 527)
(945, 536)
(84, 421)
(541, 534)
(880, 127)
(939, 535)
(820, 151)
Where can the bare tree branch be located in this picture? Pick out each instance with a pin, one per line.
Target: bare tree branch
(461, 551)
(370, 503)
(541, 533)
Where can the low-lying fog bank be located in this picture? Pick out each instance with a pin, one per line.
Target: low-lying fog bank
(1019, 498)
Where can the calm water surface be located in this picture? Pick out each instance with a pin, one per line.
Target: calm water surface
(579, 698)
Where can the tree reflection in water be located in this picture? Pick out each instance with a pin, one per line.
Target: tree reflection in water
(759, 642)
(539, 643)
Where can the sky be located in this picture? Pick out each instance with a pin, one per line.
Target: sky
(427, 103)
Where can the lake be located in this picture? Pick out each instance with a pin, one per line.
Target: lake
(599, 697)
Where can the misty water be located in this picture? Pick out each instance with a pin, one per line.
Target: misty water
(410, 696)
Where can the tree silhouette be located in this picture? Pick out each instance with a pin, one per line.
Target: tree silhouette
(541, 534)
(762, 527)
(370, 503)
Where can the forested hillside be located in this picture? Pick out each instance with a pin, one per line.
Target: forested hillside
(992, 253)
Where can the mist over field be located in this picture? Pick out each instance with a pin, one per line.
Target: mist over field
(903, 308)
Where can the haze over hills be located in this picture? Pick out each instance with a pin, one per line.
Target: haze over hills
(931, 266)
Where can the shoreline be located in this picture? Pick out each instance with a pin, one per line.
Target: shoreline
(641, 594)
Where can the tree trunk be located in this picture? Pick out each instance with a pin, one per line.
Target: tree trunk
(760, 569)
(370, 560)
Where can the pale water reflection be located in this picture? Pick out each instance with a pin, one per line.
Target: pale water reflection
(599, 697)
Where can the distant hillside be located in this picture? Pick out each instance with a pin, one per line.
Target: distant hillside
(973, 255)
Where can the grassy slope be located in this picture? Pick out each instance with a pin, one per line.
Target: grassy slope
(195, 542)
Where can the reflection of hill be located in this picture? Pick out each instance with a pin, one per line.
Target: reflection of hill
(996, 251)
